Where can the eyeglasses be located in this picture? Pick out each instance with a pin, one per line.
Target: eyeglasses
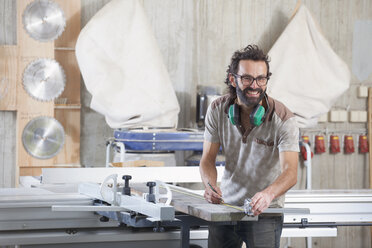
(248, 80)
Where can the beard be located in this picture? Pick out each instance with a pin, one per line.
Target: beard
(249, 101)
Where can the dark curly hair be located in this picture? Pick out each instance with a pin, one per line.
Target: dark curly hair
(251, 52)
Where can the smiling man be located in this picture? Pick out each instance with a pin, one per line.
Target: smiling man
(260, 140)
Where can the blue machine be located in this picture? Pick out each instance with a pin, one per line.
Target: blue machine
(160, 140)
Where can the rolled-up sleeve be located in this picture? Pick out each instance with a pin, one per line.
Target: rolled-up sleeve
(211, 127)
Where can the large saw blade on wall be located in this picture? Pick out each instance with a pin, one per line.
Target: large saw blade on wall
(43, 137)
(44, 20)
(44, 79)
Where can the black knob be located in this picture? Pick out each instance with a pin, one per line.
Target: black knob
(126, 178)
(151, 197)
(151, 186)
(126, 189)
(104, 219)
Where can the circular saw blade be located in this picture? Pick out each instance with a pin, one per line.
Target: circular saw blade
(44, 20)
(44, 79)
(43, 137)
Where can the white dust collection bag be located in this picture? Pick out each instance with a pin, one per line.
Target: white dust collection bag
(308, 76)
(122, 68)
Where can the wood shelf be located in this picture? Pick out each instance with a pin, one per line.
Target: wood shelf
(67, 106)
(65, 49)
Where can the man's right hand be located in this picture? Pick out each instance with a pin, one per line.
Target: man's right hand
(213, 197)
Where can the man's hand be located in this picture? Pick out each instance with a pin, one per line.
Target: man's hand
(213, 197)
(261, 201)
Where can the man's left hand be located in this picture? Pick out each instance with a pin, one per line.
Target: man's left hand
(261, 201)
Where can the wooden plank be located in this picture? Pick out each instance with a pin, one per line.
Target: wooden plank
(28, 108)
(8, 72)
(71, 9)
(30, 171)
(70, 120)
(65, 55)
(139, 163)
(29, 47)
(194, 204)
(197, 206)
(69, 117)
(69, 64)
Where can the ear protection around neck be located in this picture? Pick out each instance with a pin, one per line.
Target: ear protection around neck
(234, 114)
(256, 118)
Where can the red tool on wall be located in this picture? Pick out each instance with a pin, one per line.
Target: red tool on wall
(306, 140)
(363, 144)
(349, 144)
(335, 144)
(319, 144)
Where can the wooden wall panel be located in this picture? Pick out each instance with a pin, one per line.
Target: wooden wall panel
(8, 82)
(70, 120)
(69, 36)
(69, 64)
(27, 107)
(69, 114)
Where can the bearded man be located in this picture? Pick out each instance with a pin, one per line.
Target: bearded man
(260, 139)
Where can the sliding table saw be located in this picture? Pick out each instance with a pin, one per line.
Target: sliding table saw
(76, 211)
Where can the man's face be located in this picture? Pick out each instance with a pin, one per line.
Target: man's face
(249, 95)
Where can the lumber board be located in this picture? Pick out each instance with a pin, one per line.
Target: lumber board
(138, 163)
(67, 59)
(194, 204)
(8, 72)
(71, 9)
(65, 50)
(70, 120)
(65, 54)
(27, 107)
(26, 51)
(199, 207)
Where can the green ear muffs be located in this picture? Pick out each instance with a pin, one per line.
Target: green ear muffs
(234, 114)
(257, 116)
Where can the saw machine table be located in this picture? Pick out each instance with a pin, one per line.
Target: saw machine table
(193, 209)
(27, 219)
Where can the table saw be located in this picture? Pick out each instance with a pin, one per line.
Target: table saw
(34, 217)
